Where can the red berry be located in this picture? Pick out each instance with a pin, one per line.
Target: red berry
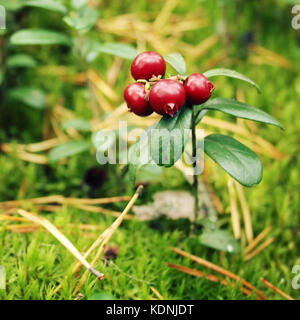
(167, 96)
(148, 64)
(198, 88)
(135, 97)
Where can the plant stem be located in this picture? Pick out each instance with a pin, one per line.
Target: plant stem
(194, 155)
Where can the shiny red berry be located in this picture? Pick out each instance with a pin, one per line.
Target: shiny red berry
(167, 96)
(135, 97)
(148, 64)
(198, 88)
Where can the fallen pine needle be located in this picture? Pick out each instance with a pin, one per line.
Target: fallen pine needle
(259, 249)
(159, 296)
(271, 286)
(254, 243)
(218, 269)
(209, 277)
(61, 238)
(101, 210)
(235, 216)
(106, 235)
(245, 211)
(62, 200)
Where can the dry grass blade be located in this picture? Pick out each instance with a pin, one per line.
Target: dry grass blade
(106, 235)
(216, 200)
(21, 228)
(101, 210)
(101, 85)
(259, 249)
(5, 217)
(245, 211)
(164, 14)
(209, 277)
(218, 269)
(235, 215)
(61, 238)
(159, 296)
(271, 286)
(255, 242)
(62, 200)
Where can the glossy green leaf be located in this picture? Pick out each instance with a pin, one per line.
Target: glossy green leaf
(231, 74)
(240, 110)
(46, 4)
(170, 136)
(32, 97)
(78, 124)
(235, 158)
(21, 60)
(176, 60)
(220, 240)
(84, 19)
(68, 149)
(39, 37)
(122, 50)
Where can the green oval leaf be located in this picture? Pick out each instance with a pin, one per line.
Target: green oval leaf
(21, 60)
(170, 136)
(235, 158)
(84, 19)
(176, 60)
(32, 97)
(231, 74)
(68, 149)
(240, 110)
(46, 4)
(122, 50)
(39, 37)
(220, 240)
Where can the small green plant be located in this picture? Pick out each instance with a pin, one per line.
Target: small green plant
(183, 101)
(79, 18)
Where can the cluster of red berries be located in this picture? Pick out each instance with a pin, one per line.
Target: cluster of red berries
(164, 96)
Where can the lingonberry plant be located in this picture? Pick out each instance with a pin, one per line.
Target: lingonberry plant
(183, 101)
